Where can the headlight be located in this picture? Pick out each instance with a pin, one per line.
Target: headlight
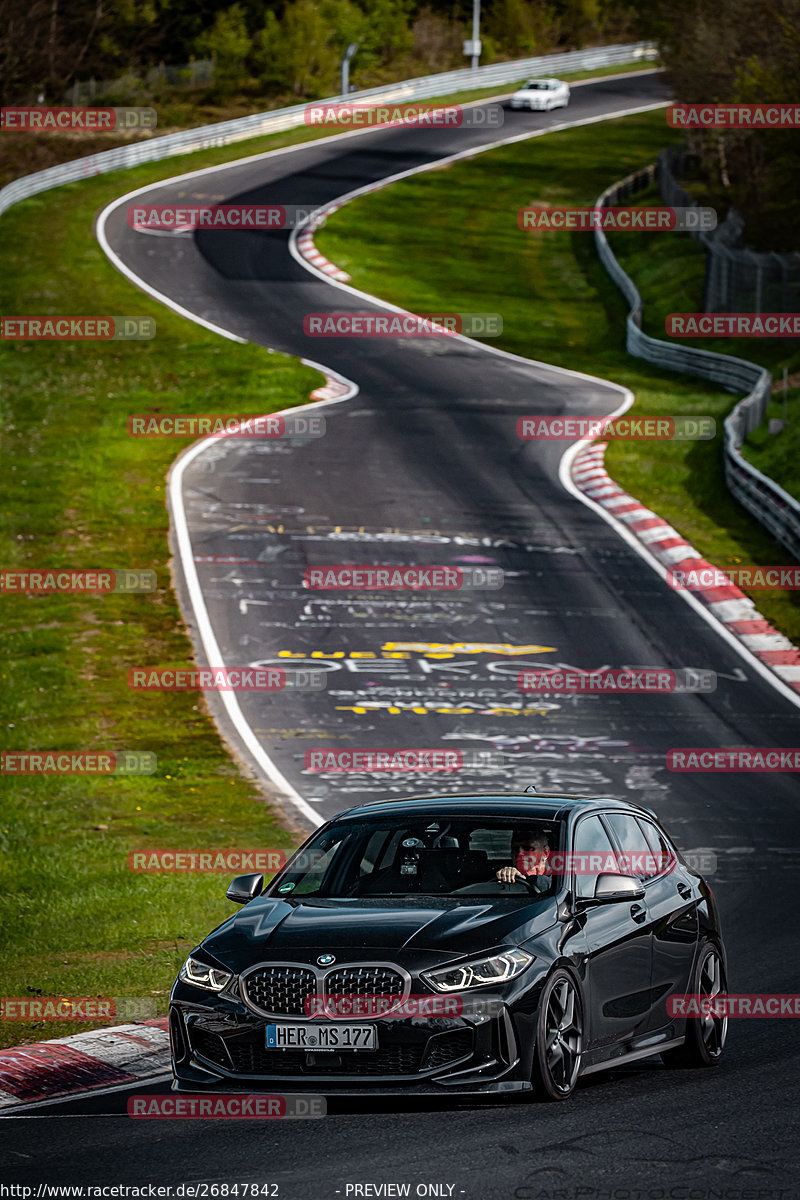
(197, 973)
(497, 968)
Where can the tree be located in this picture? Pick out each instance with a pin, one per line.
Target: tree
(739, 51)
(520, 28)
(227, 41)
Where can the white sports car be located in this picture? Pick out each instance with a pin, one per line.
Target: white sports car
(541, 94)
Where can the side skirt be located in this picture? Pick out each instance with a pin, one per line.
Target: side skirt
(633, 1056)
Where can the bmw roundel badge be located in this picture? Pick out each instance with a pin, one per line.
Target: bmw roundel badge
(325, 960)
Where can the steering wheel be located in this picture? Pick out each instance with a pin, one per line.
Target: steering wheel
(527, 881)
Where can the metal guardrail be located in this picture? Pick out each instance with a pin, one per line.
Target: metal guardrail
(766, 500)
(224, 133)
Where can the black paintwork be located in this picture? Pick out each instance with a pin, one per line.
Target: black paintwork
(626, 958)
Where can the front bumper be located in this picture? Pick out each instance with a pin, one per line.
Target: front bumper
(223, 1048)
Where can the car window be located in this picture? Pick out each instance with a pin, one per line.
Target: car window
(590, 838)
(431, 855)
(379, 851)
(662, 848)
(494, 843)
(311, 879)
(637, 857)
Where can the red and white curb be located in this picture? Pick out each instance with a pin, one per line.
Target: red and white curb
(305, 244)
(332, 389)
(726, 603)
(82, 1062)
(305, 240)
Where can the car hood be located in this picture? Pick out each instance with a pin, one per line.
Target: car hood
(448, 926)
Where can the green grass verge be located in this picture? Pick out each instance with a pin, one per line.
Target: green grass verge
(558, 304)
(778, 454)
(78, 492)
(669, 272)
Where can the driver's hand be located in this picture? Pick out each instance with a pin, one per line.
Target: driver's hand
(509, 874)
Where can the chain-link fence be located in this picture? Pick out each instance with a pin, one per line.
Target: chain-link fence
(737, 279)
(197, 73)
(766, 500)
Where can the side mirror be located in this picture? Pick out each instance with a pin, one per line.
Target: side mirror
(610, 888)
(245, 888)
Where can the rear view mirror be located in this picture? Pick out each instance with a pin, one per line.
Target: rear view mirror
(244, 888)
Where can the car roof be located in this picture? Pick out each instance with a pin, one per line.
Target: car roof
(545, 806)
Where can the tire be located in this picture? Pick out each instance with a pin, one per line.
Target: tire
(559, 1038)
(705, 1036)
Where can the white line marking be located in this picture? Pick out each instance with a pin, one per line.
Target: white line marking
(204, 626)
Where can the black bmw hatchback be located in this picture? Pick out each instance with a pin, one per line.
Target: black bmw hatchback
(479, 944)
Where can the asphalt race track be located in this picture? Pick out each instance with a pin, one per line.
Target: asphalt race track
(422, 466)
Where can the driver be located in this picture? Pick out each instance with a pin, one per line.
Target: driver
(529, 853)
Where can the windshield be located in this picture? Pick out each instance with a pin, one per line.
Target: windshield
(539, 86)
(429, 855)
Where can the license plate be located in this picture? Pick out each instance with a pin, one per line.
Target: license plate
(322, 1037)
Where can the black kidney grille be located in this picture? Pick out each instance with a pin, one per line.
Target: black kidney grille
(365, 981)
(280, 990)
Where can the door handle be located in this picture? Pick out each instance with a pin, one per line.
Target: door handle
(684, 890)
(638, 913)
